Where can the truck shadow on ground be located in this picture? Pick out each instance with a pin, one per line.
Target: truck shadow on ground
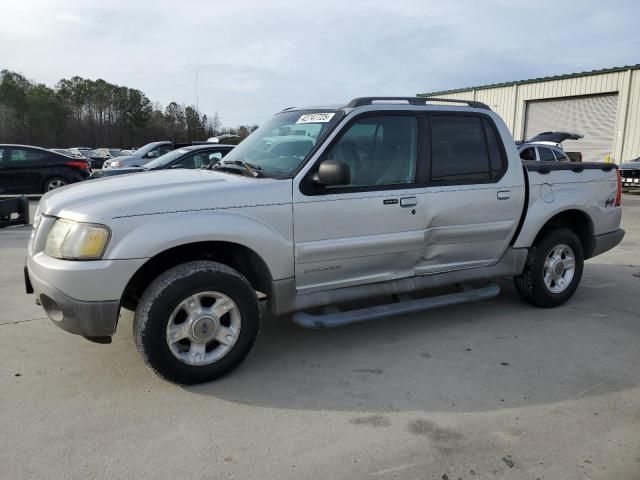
(490, 355)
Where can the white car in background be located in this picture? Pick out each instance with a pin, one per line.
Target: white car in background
(547, 147)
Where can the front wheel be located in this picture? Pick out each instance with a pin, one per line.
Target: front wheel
(553, 269)
(196, 322)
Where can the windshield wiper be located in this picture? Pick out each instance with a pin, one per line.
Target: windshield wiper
(254, 170)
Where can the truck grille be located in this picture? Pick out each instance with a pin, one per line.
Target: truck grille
(630, 178)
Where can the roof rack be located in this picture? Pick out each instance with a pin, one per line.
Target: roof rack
(359, 102)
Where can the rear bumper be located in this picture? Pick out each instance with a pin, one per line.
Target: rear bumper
(89, 319)
(605, 242)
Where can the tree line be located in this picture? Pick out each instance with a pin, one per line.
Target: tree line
(96, 113)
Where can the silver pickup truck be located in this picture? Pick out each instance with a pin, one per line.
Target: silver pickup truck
(319, 208)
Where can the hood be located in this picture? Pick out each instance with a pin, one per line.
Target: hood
(109, 172)
(161, 191)
(635, 165)
(126, 160)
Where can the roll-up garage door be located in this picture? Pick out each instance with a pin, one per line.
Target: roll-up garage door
(593, 116)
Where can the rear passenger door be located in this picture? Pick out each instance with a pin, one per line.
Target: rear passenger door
(473, 204)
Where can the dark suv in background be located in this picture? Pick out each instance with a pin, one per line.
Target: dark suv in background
(26, 169)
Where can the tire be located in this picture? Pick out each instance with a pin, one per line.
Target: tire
(53, 183)
(531, 284)
(192, 286)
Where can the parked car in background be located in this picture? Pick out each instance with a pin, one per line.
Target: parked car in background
(226, 138)
(542, 153)
(126, 152)
(547, 147)
(98, 156)
(192, 157)
(27, 169)
(84, 151)
(630, 172)
(115, 152)
(142, 155)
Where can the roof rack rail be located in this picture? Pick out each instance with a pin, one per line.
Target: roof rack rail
(359, 102)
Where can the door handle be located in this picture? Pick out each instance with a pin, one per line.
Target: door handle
(408, 202)
(504, 195)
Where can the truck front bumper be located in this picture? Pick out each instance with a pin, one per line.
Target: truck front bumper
(605, 242)
(89, 319)
(91, 316)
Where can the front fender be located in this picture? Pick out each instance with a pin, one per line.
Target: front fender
(266, 230)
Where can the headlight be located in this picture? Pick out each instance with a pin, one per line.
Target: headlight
(115, 164)
(77, 241)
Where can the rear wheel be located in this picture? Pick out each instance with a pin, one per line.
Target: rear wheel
(553, 269)
(196, 322)
(54, 182)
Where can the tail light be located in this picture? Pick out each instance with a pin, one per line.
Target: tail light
(619, 190)
(78, 164)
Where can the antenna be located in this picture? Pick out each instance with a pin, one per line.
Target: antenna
(197, 109)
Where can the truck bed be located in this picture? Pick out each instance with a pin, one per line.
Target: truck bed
(580, 191)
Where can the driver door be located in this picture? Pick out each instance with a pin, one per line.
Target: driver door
(371, 229)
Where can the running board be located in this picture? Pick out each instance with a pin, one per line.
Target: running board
(339, 319)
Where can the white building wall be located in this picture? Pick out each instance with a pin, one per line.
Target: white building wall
(510, 103)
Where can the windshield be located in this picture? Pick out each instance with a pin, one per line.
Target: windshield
(280, 146)
(142, 151)
(163, 160)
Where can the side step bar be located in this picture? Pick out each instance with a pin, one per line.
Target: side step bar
(340, 319)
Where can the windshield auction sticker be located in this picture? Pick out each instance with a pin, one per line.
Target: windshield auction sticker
(316, 118)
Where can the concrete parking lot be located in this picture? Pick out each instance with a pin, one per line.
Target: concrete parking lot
(496, 389)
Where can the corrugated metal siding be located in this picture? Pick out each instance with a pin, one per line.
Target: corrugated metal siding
(594, 116)
(510, 103)
(631, 148)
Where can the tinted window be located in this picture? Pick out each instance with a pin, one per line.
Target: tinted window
(546, 155)
(199, 160)
(162, 149)
(497, 162)
(528, 154)
(379, 150)
(560, 156)
(23, 155)
(458, 149)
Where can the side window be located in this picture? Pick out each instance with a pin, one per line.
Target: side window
(379, 150)
(25, 156)
(458, 149)
(546, 155)
(560, 156)
(214, 157)
(528, 154)
(497, 162)
(189, 161)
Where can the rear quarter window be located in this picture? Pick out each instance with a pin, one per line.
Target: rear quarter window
(464, 149)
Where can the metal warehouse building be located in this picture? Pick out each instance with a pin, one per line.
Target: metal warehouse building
(603, 105)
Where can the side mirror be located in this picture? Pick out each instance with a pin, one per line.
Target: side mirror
(152, 154)
(332, 173)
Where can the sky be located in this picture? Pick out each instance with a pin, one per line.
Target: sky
(255, 57)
